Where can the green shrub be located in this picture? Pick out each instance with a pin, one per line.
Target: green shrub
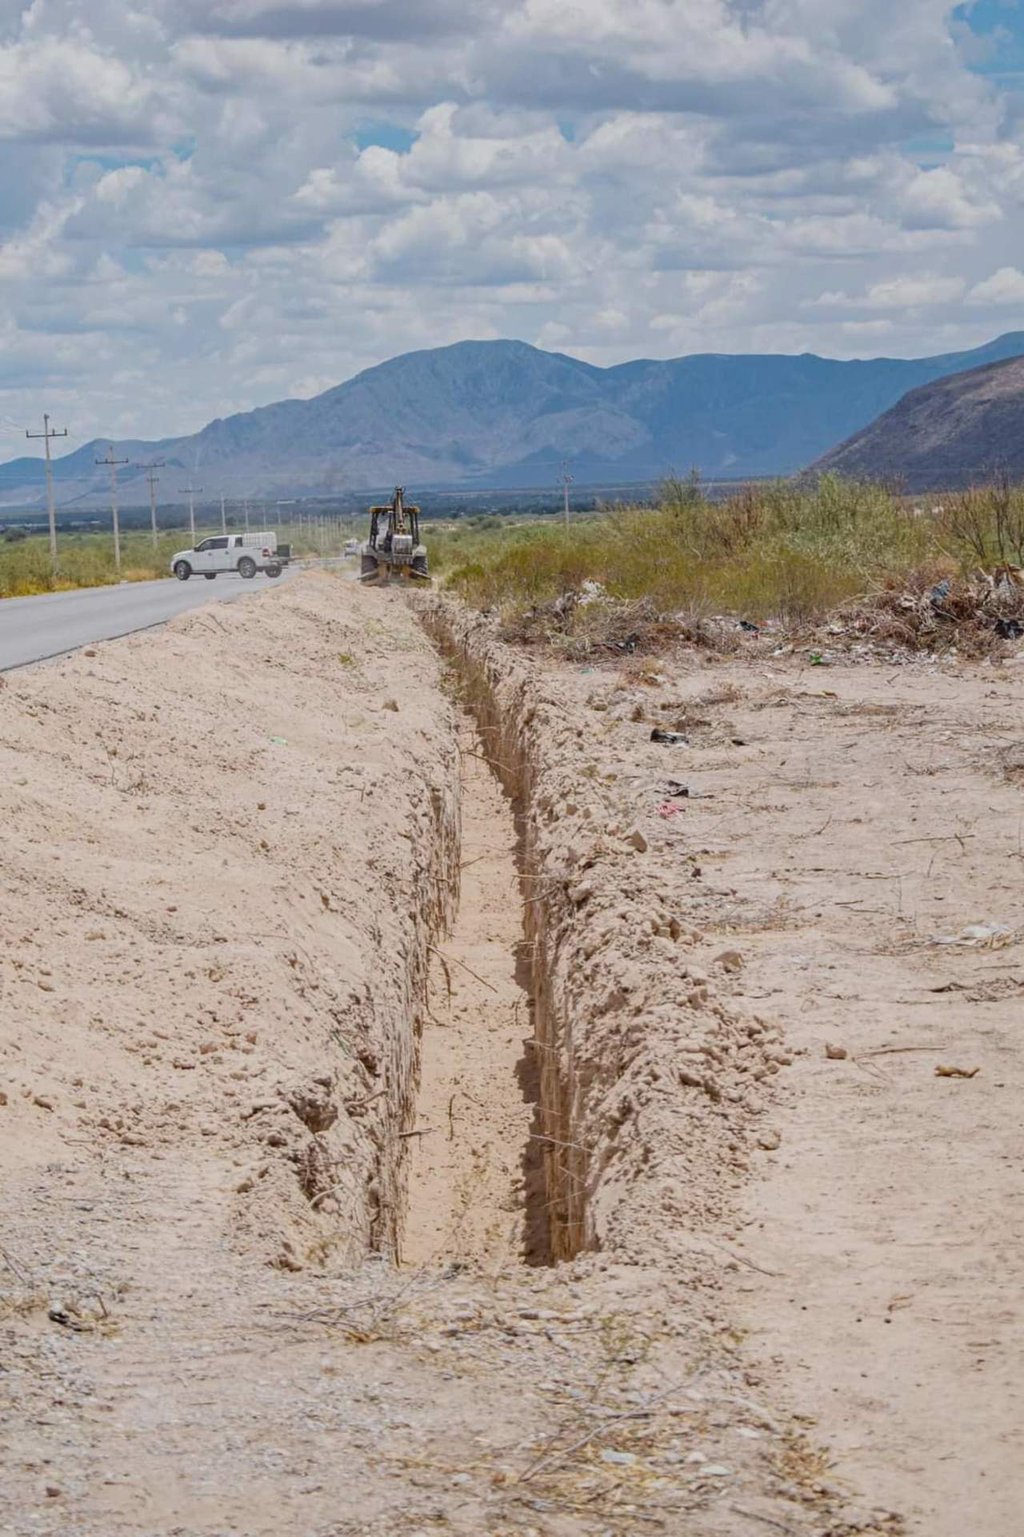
(785, 550)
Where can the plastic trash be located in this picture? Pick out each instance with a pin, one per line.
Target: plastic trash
(975, 935)
(669, 738)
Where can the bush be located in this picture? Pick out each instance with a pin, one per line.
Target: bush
(789, 551)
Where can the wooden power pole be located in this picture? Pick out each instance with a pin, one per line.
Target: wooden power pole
(112, 465)
(152, 477)
(47, 433)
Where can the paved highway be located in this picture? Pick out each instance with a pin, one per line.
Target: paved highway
(33, 629)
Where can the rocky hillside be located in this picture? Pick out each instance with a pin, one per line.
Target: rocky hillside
(945, 435)
(503, 414)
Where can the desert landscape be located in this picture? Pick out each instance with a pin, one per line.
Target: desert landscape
(429, 1104)
(511, 768)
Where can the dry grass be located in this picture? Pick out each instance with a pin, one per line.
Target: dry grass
(787, 554)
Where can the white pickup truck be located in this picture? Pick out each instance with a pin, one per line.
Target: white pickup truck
(244, 554)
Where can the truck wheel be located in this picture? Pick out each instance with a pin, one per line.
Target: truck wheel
(273, 570)
(211, 576)
(182, 570)
(247, 567)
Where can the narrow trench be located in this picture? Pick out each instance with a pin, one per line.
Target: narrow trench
(475, 1188)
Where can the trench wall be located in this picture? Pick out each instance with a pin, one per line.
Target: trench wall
(650, 1086)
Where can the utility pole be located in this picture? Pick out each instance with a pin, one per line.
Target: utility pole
(566, 480)
(112, 464)
(47, 433)
(153, 477)
(190, 491)
(223, 515)
(247, 514)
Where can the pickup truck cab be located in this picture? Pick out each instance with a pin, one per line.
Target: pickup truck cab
(241, 554)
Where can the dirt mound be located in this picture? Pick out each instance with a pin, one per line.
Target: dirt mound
(204, 936)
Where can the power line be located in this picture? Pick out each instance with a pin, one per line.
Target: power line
(112, 464)
(153, 477)
(47, 433)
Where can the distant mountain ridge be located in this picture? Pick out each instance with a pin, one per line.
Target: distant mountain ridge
(503, 414)
(945, 435)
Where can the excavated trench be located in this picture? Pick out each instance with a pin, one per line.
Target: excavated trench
(646, 1086)
(475, 1179)
(494, 1172)
(541, 1068)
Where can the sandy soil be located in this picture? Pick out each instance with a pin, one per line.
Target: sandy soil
(239, 1292)
(857, 866)
(467, 1199)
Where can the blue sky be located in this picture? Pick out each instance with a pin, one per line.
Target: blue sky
(998, 25)
(207, 205)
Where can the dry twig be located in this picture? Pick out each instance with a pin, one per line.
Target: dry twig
(482, 980)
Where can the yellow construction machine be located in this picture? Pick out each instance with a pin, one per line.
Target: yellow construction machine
(393, 551)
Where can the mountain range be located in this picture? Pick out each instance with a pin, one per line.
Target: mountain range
(502, 414)
(945, 435)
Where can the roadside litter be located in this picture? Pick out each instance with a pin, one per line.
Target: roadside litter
(677, 791)
(978, 936)
(969, 614)
(669, 738)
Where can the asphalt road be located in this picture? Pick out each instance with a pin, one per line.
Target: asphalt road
(33, 629)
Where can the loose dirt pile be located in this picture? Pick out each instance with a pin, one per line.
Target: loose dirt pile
(196, 897)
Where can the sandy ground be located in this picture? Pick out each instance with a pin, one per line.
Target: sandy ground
(227, 850)
(858, 860)
(271, 1226)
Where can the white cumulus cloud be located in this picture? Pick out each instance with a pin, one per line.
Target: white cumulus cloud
(210, 204)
